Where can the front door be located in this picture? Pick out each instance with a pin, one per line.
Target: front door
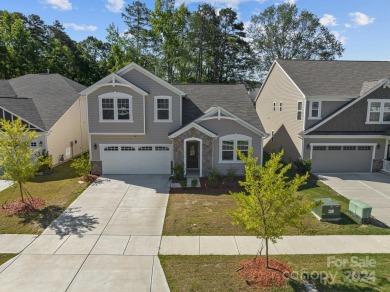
(193, 154)
(388, 152)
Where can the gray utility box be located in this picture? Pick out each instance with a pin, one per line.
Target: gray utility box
(328, 210)
(360, 210)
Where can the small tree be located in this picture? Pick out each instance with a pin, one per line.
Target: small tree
(270, 201)
(16, 156)
(82, 165)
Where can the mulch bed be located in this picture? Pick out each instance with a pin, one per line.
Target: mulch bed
(257, 276)
(28, 206)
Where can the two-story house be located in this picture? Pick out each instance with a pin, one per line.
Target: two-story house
(140, 124)
(337, 113)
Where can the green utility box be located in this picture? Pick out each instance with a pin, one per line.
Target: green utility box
(328, 210)
(360, 210)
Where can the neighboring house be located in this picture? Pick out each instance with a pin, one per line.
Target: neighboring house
(337, 113)
(51, 105)
(140, 124)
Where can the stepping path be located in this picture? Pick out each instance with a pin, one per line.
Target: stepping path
(108, 239)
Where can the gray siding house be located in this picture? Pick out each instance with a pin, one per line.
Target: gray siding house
(140, 124)
(337, 113)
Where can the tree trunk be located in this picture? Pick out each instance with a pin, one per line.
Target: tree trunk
(21, 191)
(266, 252)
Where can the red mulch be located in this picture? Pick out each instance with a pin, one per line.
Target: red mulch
(256, 275)
(90, 178)
(28, 206)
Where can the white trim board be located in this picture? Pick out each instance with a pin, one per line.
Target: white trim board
(189, 126)
(346, 107)
(135, 66)
(109, 80)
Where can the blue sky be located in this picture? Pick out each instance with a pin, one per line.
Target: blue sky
(361, 25)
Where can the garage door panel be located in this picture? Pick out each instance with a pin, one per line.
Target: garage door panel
(136, 159)
(330, 158)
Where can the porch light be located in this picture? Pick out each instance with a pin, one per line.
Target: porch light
(378, 146)
(308, 146)
(40, 143)
(95, 146)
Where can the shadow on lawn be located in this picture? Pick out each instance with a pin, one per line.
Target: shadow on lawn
(339, 287)
(68, 221)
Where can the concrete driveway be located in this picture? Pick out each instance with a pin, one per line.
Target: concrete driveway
(5, 184)
(371, 188)
(107, 240)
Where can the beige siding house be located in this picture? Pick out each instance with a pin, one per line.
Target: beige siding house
(140, 124)
(336, 113)
(51, 105)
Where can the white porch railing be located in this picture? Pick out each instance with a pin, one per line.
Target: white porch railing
(386, 166)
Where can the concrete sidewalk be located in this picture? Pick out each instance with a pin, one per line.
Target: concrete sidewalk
(107, 240)
(249, 245)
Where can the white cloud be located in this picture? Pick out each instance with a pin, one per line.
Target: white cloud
(80, 27)
(347, 25)
(290, 1)
(115, 5)
(59, 4)
(339, 37)
(360, 18)
(328, 20)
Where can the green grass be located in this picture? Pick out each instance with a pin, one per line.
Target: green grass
(218, 273)
(207, 214)
(59, 190)
(4, 257)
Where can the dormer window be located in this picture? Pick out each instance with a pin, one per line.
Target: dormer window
(115, 107)
(315, 110)
(378, 111)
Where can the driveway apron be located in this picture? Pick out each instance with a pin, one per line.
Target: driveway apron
(108, 239)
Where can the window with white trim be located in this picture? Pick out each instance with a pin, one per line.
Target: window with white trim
(378, 112)
(163, 108)
(299, 110)
(229, 143)
(280, 106)
(315, 110)
(33, 144)
(116, 107)
(274, 106)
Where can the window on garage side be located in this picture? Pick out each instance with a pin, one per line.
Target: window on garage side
(315, 110)
(378, 112)
(229, 143)
(299, 110)
(116, 107)
(163, 109)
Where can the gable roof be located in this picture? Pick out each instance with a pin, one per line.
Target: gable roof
(323, 79)
(134, 66)
(384, 82)
(41, 99)
(6, 89)
(231, 97)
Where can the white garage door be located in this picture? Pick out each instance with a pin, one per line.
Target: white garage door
(336, 158)
(136, 159)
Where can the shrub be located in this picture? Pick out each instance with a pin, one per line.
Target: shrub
(178, 172)
(45, 161)
(82, 165)
(302, 165)
(194, 183)
(213, 176)
(183, 183)
(231, 174)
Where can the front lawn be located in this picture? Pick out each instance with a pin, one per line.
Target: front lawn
(218, 273)
(58, 190)
(206, 214)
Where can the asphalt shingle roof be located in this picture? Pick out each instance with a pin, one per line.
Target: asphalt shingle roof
(6, 89)
(232, 97)
(42, 99)
(334, 78)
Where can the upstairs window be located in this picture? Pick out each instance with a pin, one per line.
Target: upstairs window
(163, 109)
(378, 112)
(315, 110)
(280, 106)
(299, 110)
(115, 107)
(274, 106)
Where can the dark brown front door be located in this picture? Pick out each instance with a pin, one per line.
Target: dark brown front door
(193, 154)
